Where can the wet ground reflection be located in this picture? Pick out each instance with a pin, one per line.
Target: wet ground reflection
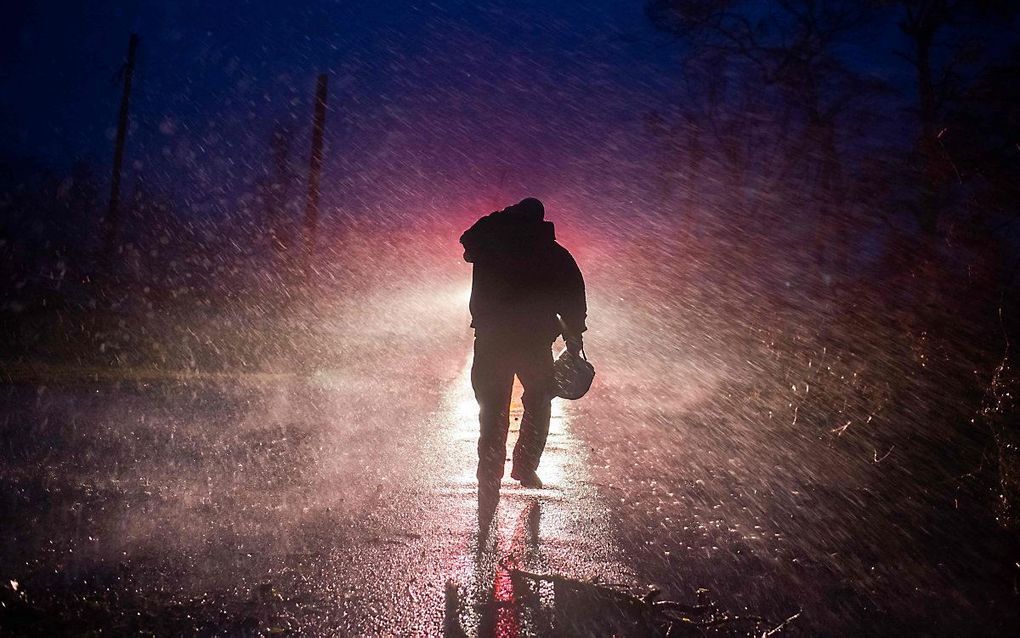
(560, 529)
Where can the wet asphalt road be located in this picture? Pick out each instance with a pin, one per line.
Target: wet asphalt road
(338, 502)
(343, 502)
(365, 523)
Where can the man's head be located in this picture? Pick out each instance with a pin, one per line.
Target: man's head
(529, 209)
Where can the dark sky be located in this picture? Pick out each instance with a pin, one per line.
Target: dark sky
(428, 100)
(415, 87)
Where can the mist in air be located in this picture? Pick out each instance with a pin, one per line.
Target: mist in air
(235, 356)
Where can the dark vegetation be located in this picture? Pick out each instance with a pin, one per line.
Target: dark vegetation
(902, 201)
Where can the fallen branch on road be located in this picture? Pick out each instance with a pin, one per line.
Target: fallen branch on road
(647, 614)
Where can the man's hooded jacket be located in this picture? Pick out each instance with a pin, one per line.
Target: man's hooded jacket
(522, 277)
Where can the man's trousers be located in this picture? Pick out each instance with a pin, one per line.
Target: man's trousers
(497, 359)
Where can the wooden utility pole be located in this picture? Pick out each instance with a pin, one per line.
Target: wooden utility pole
(112, 222)
(314, 168)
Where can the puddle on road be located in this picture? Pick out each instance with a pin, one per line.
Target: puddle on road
(561, 529)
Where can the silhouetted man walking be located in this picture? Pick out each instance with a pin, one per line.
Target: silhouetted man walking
(524, 284)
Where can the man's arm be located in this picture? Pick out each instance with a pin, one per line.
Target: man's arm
(573, 306)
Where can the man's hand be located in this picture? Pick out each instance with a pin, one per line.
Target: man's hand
(574, 344)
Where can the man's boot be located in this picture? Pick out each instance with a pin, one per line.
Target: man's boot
(528, 479)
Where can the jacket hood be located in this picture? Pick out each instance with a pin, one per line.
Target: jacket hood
(520, 233)
(506, 230)
(542, 231)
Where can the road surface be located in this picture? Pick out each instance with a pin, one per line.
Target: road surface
(342, 502)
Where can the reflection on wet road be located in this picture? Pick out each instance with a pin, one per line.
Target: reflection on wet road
(560, 528)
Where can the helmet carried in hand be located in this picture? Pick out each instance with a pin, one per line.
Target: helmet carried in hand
(572, 375)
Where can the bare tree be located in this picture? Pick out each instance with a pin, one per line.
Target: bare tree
(788, 74)
(944, 41)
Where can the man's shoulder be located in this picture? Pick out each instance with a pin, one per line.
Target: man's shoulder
(561, 251)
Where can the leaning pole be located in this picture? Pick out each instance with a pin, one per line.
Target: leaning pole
(111, 225)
